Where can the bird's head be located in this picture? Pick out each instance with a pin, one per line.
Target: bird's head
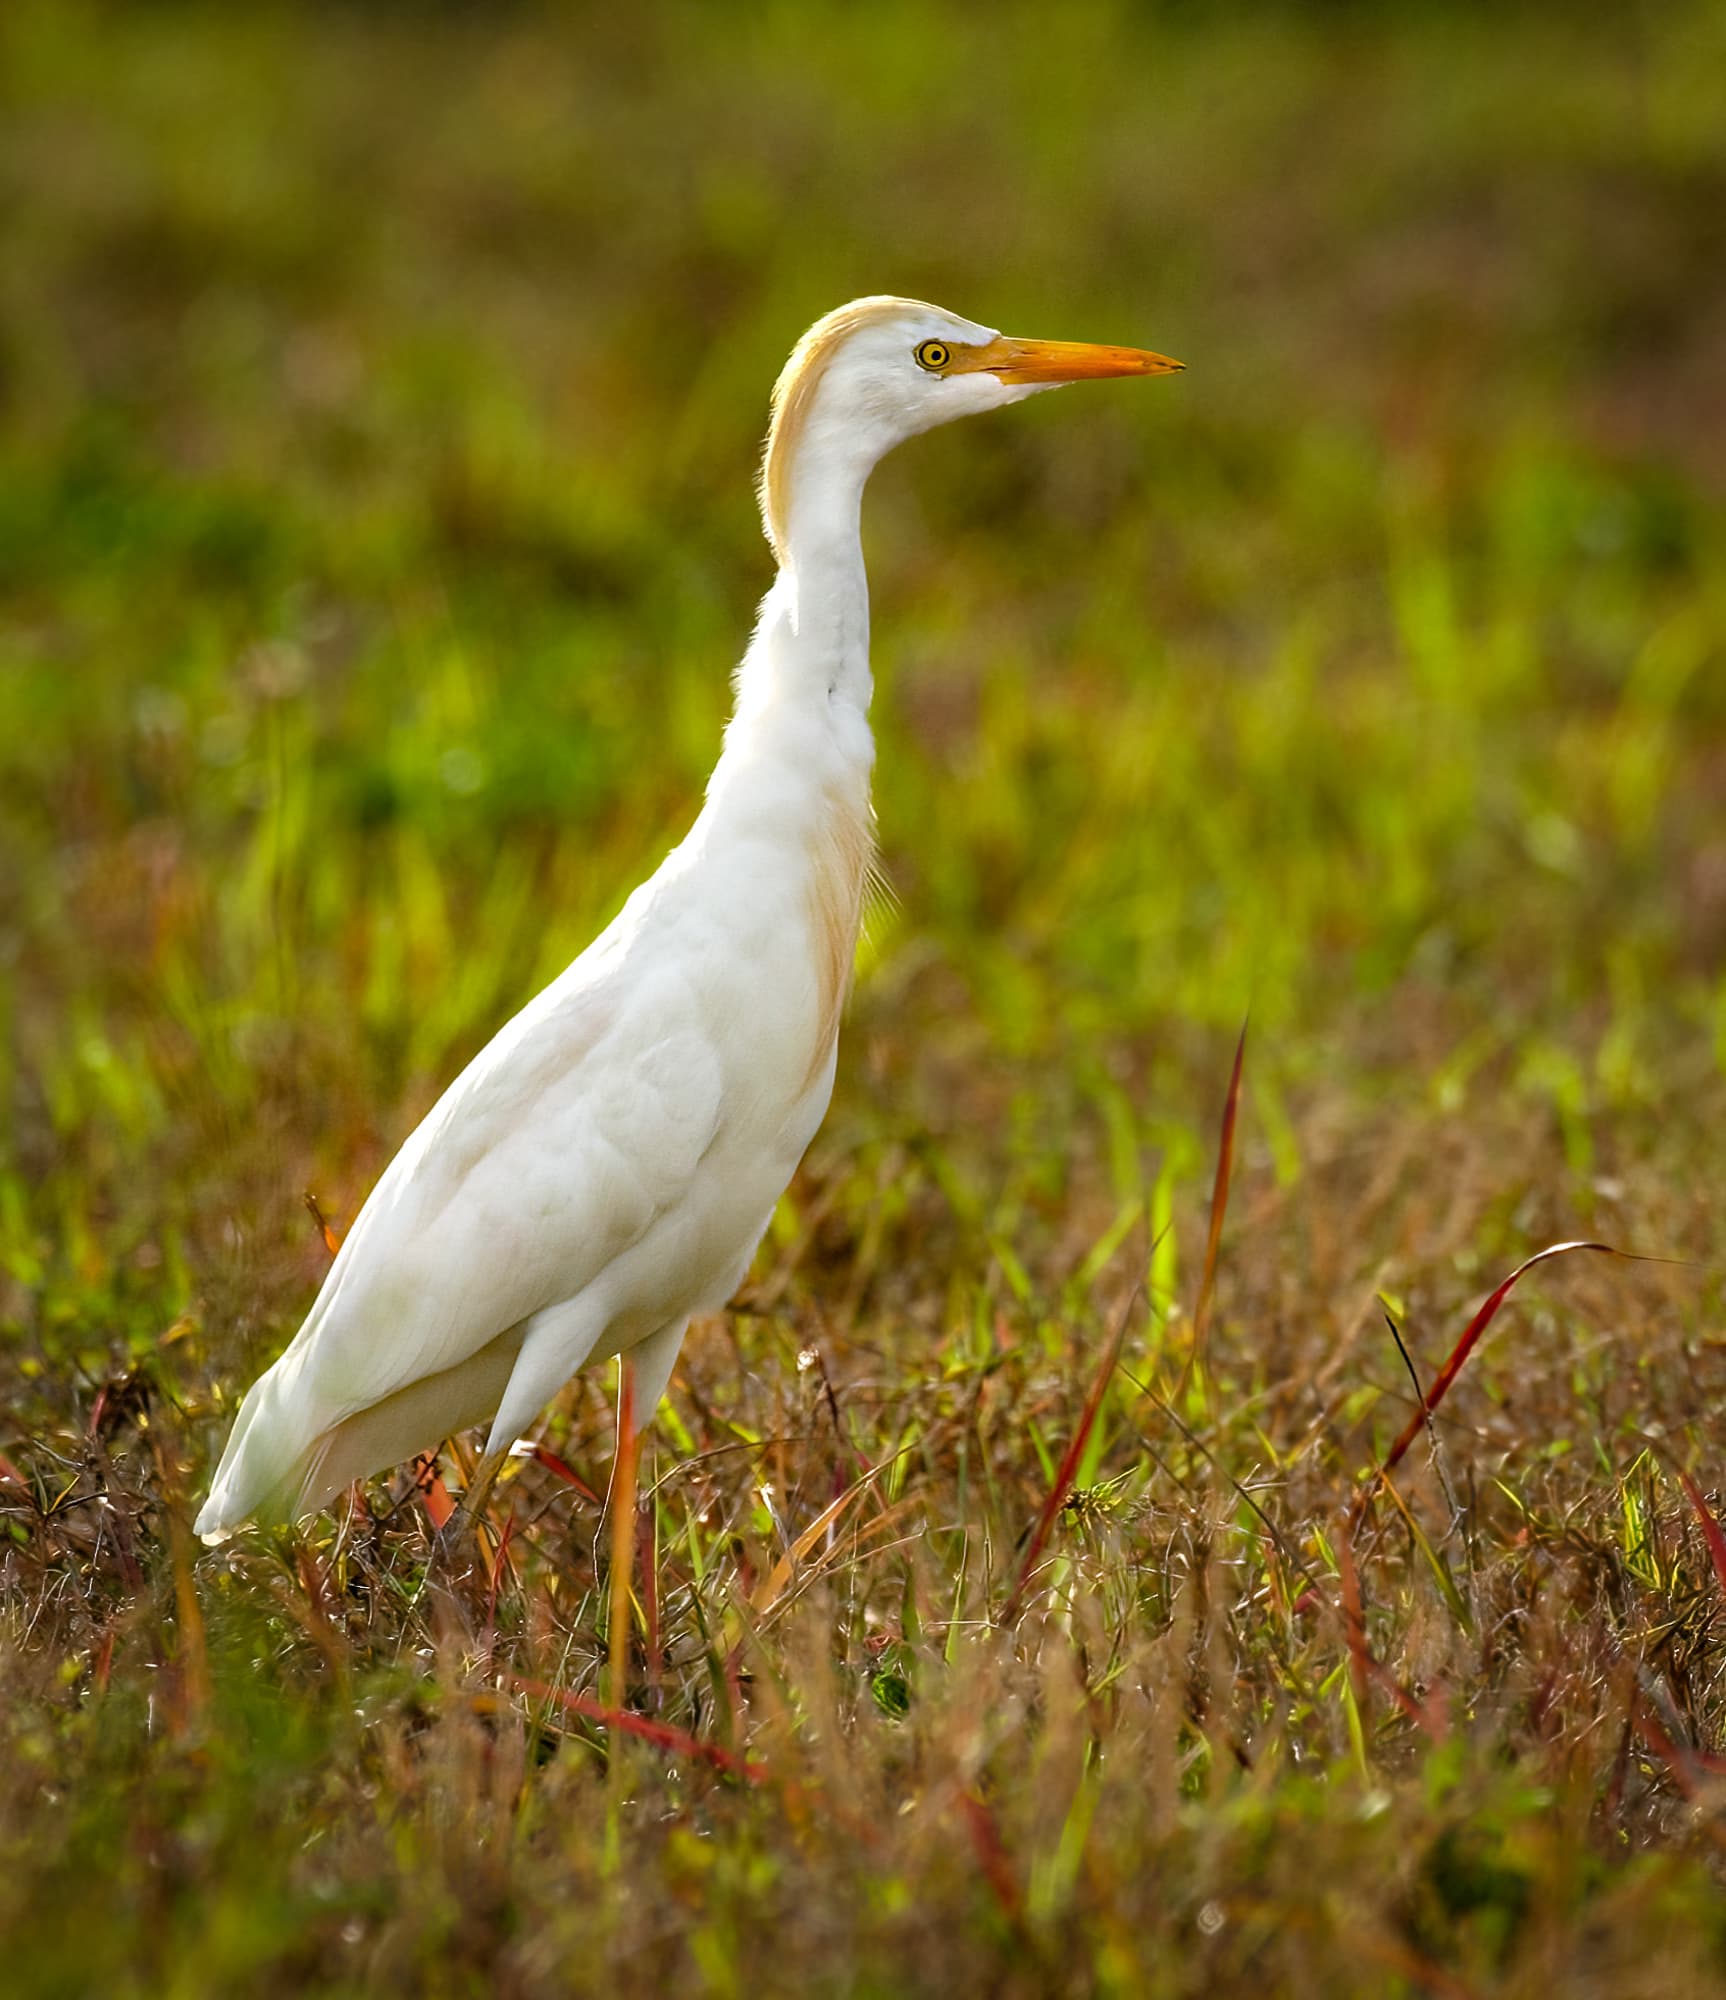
(880, 370)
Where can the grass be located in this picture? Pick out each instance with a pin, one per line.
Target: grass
(378, 395)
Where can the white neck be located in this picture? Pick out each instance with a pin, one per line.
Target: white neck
(811, 645)
(790, 792)
(798, 748)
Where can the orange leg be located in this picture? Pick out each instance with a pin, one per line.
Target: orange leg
(622, 1499)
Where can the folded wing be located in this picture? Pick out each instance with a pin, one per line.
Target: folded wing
(552, 1153)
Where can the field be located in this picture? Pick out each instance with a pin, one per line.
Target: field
(380, 390)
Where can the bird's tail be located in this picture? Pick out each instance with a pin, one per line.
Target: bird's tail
(263, 1466)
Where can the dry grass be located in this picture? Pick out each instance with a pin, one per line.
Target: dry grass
(1235, 1721)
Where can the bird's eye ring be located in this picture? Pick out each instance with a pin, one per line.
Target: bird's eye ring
(934, 355)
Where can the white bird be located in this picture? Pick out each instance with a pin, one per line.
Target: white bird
(605, 1166)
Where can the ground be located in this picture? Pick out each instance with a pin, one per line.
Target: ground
(379, 396)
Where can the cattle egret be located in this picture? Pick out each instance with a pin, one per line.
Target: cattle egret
(606, 1165)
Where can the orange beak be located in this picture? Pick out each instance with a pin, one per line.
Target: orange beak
(1057, 361)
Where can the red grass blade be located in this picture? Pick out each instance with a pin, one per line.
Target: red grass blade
(495, 1581)
(667, 1736)
(1678, 1761)
(1466, 1345)
(542, 1454)
(1219, 1198)
(1711, 1531)
(664, 1735)
(991, 1854)
(1069, 1466)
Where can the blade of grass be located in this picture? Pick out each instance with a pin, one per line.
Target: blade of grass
(542, 1454)
(1683, 1766)
(863, 1544)
(1432, 1440)
(1354, 1623)
(699, 1749)
(786, 1567)
(991, 1853)
(320, 1618)
(1711, 1531)
(1219, 1202)
(1285, 1548)
(1434, 1561)
(1069, 1464)
(663, 1735)
(499, 1562)
(191, 1657)
(1366, 1670)
(647, 1532)
(1482, 1319)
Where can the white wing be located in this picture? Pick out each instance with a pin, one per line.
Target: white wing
(553, 1152)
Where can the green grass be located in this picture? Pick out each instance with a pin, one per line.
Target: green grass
(379, 394)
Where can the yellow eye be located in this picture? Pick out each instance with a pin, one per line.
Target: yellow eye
(934, 355)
